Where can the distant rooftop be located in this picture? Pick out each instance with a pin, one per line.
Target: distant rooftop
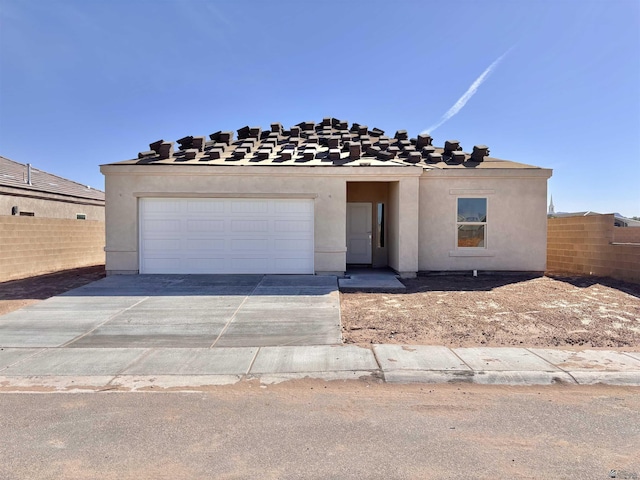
(16, 175)
(332, 142)
(620, 220)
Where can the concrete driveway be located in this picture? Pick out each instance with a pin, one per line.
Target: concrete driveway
(182, 311)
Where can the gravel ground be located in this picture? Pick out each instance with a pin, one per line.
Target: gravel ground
(497, 310)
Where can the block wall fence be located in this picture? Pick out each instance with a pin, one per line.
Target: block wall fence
(593, 246)
(581, 245)
(33, 246)
(626, 235)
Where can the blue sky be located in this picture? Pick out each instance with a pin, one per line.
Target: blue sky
(550, 83)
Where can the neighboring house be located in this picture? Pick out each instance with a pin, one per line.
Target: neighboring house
(27, 191)
(47, 223)
(316, 198)
(618, 220)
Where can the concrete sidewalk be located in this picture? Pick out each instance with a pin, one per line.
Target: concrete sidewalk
(79, 369)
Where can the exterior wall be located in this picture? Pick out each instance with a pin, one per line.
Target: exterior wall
(374, 193)
(626, 235)
(33, 246)
(403, 226)
(407, 202)
(393, 225)
(49, 206)
(516, 233)
(583, 245)
(421, 213)
(326, 185)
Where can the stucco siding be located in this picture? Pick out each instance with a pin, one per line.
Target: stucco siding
(408, 219)
(328, 191)
(55, 206)
(420, 220)
(393, 225)
(516, 222)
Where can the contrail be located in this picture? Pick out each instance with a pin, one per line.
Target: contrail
(471, 91)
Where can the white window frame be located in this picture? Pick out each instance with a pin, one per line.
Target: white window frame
(485, 224)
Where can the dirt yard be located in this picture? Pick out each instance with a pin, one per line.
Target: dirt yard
(497, 310)
(456, 311)
(16, 294)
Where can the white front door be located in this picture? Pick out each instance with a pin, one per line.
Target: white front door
(359, 233)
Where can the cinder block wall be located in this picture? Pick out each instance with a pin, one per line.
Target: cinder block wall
(584, 245)
(626, 235)
(33, 246)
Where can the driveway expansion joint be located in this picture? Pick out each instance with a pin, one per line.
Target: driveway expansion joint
(89, 332)
(224, 329)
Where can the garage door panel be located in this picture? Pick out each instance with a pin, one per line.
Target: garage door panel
(249, 264)
(203, 225)
(161, 226)
(205, 206)
(206, 244)
(249, 226)
(226, 236)
(292, 245)
(248, 206)
(162, 244)
(204, 265)
(249, 245)
(293, 207)
(161, 206)
(292, 226)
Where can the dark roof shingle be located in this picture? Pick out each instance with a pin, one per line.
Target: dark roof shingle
(14, 174)
(328, 143)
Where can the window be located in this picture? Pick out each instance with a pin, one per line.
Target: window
(472, 222)
(27, 214)
(81, 216)
(380, 225)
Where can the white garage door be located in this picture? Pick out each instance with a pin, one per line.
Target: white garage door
(226, 235)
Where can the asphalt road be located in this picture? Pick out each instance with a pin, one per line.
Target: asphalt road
(313, 429)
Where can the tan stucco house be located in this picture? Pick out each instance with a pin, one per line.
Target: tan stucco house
(29, 191)
(316, 198)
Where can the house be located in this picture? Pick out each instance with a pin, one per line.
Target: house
(27, 191)
(316, 198)
(47, 223)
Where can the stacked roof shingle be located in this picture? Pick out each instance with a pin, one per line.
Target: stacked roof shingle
(332, 142)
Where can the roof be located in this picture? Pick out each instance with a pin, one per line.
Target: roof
(331, 142)
(629, 222)
(15, 175)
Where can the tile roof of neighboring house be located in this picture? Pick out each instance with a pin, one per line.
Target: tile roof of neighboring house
(331, 142)
(630, 222)
(14, 175)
